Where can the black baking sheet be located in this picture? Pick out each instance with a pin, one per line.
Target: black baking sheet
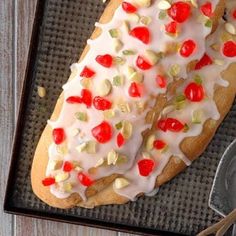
(60, 32)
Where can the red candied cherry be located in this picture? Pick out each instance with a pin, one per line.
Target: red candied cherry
(159, 144)
(128, 7)
(206, 9)
(101, 103)
(174, 125)
(58, 135)
(143, 64)
(48, 181)
(68, 166)
(74, 100)
(84, 179)
(187, 48)
(171, 27)
(134, 90)
(229, 49)
(146, 167)
(204, 61)
(103, 132)
(86, 97)
(161, 81)
(120, 140)
(234, 14)
(142, 33)
(179, 11)
(194, 92)
(87, 72)
(105, 60)
(170, 124)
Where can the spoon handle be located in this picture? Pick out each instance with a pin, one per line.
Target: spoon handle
(221, 227)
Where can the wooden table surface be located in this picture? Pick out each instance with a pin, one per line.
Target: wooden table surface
(16, 17)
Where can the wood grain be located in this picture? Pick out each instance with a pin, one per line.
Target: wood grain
(6, 106)
(16, 18)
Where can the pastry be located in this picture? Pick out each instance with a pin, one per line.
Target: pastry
(150, 90)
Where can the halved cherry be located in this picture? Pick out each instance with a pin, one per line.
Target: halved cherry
(174, 125)
(161, 81)
(134, 90)
(74, 100)
(58, 135)
(229, 48)
(159, 144)
(187, 48)
(48, 181)
(84, 179)
(103, 132)
(204, 61)
(194, 92)
(180, 11)
(101, 103)
(206, 9)
(86, 97)
(120, 140)
(68, 166)
(143, 64)
(87, 72)
(170, 124)
(142, 33)
(146, 167)
(171, 27)
(105, 60)
(128, 7)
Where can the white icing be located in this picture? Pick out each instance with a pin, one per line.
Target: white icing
(192, 29)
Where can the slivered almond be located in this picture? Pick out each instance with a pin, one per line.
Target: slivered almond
(121, 183)
(163, 5)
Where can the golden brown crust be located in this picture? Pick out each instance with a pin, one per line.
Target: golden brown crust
(102, 192)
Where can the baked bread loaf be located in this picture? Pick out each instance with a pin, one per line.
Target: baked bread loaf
(138, 110)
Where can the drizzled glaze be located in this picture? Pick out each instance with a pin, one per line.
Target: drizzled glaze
(191, 29)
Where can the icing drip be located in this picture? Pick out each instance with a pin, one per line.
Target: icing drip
(78, 132)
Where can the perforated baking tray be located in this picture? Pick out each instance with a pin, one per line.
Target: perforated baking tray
(181, 207)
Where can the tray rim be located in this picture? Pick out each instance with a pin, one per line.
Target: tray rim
(7, 207)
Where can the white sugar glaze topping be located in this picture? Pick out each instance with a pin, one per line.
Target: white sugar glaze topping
(193, 29)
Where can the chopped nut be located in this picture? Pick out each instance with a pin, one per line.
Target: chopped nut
(153, 57)
(62, 149)
(118, 80)
(126, 26)
(121, 183)
(137, 77)
(82, 147)
(109, 114)
(41, 91)
(119, 61)
(55, 164)
(133, 17)
(117, 45)
(197, 116)
(127, 129)
(124, 107)
(104, 88)
(149, 142)
(143, 3)
(91, 147)
(86, 82)
(112, 157)
(129, 52)
(230, 28)
(100, 162)
(67, 187)
(74, 132)
(174, 70)
(62, 177)
(146, 20)
(163, 5)
(114, 33)
(194, 3)
(82, 116)
(219, 62)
